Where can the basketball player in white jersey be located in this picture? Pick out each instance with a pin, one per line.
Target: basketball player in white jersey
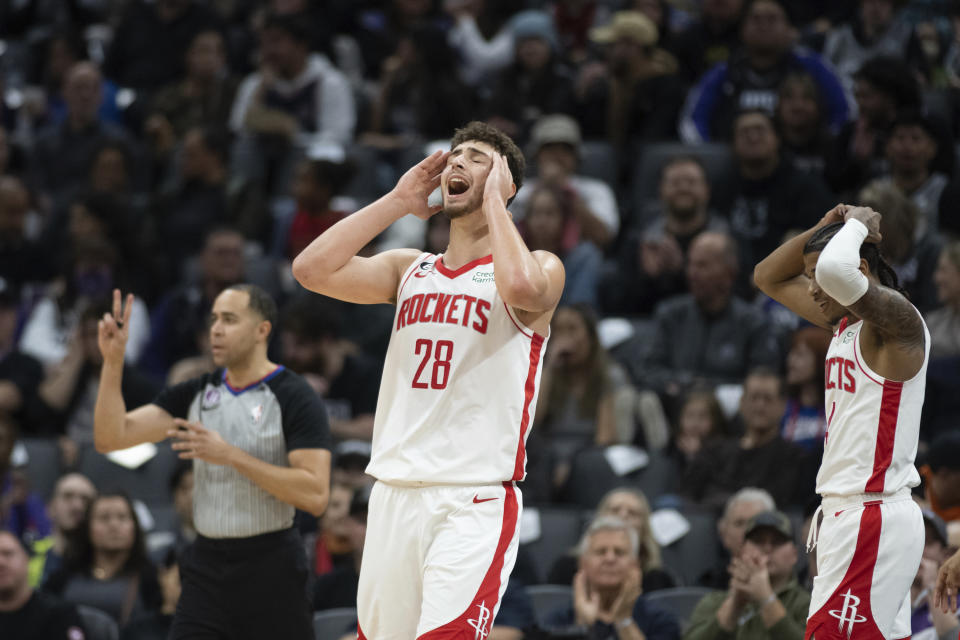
(871, 539)
(458, 392)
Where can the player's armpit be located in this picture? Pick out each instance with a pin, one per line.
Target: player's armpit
(892, 316)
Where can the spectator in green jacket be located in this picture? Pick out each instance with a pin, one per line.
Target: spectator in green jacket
(764, 601)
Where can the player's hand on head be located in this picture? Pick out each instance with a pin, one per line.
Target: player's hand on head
(499, 180)
(415, 186)
(869, 218)
(834, 215)
(114, 328)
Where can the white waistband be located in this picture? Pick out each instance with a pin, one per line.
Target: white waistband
(830, 503)
(842, 503)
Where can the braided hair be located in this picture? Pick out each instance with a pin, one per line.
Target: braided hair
(869, 251)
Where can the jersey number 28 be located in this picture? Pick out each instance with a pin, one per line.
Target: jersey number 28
(442, 353)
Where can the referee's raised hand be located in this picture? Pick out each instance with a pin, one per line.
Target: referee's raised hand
(114, 329)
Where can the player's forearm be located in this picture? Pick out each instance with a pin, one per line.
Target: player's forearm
(110, 411)
(784, 263)
(298, 487)
(332, 249)
(518, 275)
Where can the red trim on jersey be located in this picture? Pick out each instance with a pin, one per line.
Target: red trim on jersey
(886, 433)
(856, 356)
(360, 635)
(514, 321)
(413, 269)
(529, 387)
(476, 621)
(453, 273)
(857, 582)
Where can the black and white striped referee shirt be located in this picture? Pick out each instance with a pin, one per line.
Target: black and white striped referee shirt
(267, 419)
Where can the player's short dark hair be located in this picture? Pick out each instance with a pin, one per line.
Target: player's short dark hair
(869, 251)
(501, 142)
(261, 303)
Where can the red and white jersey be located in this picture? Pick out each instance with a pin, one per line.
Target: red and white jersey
(873, 424)
(460, 381)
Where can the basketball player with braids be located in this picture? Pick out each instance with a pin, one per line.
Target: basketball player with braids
(458, 391)
(871, 539)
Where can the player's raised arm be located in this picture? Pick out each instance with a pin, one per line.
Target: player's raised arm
(884, 310)
(113, 427)
(330, 265)
(530, 281)
(781, 274)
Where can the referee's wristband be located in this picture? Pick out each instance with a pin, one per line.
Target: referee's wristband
(623, 624)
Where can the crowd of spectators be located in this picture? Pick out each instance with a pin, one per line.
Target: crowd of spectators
(172, 148)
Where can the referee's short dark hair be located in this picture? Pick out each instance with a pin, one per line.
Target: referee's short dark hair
(260, 302)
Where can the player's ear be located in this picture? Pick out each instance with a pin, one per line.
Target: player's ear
(264, 330)
(864, 267)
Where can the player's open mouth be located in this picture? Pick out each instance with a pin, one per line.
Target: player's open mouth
(457, 186)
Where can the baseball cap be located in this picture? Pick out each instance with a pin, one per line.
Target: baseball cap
(631, 25)
(776, 520)
(534, 24)
(936, 523)
(944, 451)
(555, 128)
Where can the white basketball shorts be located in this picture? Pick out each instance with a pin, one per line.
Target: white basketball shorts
(436, 560)
(868, 554)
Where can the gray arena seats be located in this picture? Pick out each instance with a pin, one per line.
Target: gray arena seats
(696, 552)
(560, 530)
(547, 598)
(150, 482)
(43, 466)
(333, 624)
(680, 601)
(591, 477)
(97, 624)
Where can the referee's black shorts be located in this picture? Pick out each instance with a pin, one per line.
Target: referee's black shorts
(244, 588)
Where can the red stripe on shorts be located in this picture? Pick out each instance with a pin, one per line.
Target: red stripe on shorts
(529, 388)
(847, 613)
(886, 432)
(477, 620)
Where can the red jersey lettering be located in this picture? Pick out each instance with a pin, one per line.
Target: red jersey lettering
(482, 307)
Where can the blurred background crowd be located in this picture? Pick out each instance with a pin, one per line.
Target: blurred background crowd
(174, 147)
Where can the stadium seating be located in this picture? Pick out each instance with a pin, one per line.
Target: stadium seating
(547, 598)
(560, 531)
(150, 482)
(696, 552)
(591, 477)
(680, 601)
(97, 624)
(333, 624)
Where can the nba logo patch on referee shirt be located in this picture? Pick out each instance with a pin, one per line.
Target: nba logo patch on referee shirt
(256, 413)
(211, 398)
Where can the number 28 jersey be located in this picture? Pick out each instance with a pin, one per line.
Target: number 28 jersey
(460, 381)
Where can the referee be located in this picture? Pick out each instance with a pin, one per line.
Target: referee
(259, 439)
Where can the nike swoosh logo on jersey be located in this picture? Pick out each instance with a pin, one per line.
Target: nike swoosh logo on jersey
(478, 500)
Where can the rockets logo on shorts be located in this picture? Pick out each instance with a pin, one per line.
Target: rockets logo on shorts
(481, 623)
(849, 612)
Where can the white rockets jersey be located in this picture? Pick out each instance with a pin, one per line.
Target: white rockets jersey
(460, 381)
(873, 424)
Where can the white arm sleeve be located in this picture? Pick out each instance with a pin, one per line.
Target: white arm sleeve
(838, 267)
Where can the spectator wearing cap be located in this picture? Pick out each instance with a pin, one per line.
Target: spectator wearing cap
(882, 88)
(764, 600)
(711, 39)
(607, 593)
(876, 30)
(535, 84)
(20, 374)
(749, 80)
(634, 95)
(296, 100)
(652, 260)
(929, 622)
(738, 511)
(911, 151)
(555, 148)
(941, 475)
(25, 613)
